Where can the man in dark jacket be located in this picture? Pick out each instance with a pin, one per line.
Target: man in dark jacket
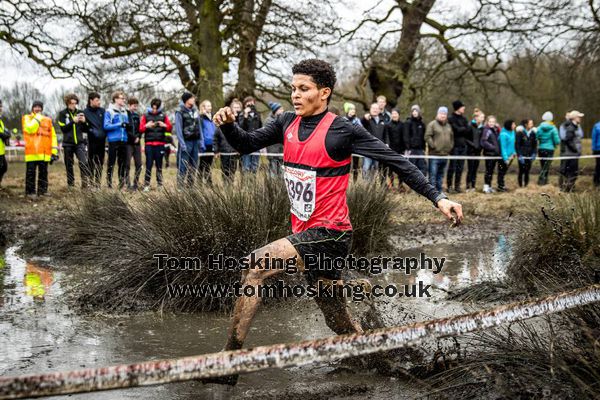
(474, 148)
(74, 129)
(570, 146)
(394, 137)
(94, 118)
(491, 147)
(188, 129)
(375, 125)
(134, 145)
(414, 138)
(229, 162)
(462, 130)
(249, 120)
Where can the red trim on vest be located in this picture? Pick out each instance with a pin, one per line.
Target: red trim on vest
(331, 210)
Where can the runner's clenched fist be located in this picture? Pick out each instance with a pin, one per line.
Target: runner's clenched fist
(224, 116)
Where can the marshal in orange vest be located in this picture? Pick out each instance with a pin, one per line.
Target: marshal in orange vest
(40, 137)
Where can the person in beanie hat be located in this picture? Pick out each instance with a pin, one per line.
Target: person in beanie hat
(548, 140)
(41, 148)
(440, 140)
(462, 131)
(414, 138)
(274, 106)
(190, 140)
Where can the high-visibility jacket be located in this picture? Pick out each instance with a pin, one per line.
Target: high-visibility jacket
(2, 149)
(40, 137)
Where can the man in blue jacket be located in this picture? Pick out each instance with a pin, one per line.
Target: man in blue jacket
(596, 151)
(116, 124)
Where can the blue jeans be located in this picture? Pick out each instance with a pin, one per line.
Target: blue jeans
(436, 172)
(369, 167)
(250, 163)
(187, 162)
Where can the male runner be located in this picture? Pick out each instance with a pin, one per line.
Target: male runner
(317, 152)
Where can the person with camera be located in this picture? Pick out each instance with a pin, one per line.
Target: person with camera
(41, 149)
(75, 139)
(155, 126)
(188, 129)
(116, 125)
(249, 120)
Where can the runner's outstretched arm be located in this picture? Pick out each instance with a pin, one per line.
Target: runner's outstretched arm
(248, 142)
(368, 145)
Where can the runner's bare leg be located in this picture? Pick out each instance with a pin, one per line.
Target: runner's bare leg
(337, 315)
(245, 306)
(335, 310)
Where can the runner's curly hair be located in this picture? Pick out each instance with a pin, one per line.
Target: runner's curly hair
(320, 71)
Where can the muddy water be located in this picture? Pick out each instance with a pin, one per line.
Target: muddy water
(40, 333)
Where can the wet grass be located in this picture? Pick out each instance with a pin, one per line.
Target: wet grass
(559, 356)
(111, 237)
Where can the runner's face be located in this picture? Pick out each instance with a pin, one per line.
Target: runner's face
(307, 98)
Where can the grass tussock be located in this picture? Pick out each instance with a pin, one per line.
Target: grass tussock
(558, 357)
(111, 238)
(560, 249)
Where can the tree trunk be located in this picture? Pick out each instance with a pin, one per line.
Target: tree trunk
(250, 29)
(389, 78)
(208, 66)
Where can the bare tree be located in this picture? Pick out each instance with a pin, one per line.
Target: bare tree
(478, 42)
(195, 41)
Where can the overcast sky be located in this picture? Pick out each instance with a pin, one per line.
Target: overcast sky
(15, 67)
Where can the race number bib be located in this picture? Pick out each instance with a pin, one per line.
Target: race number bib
(301, 188)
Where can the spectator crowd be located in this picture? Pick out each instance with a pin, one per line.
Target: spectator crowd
(441, 148)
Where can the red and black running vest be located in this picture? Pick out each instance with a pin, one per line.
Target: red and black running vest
(316, 183)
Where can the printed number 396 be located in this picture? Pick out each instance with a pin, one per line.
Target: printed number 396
(297, 190)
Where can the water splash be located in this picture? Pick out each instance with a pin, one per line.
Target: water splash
(286, 355)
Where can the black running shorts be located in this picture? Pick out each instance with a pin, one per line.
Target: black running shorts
(322, 242)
